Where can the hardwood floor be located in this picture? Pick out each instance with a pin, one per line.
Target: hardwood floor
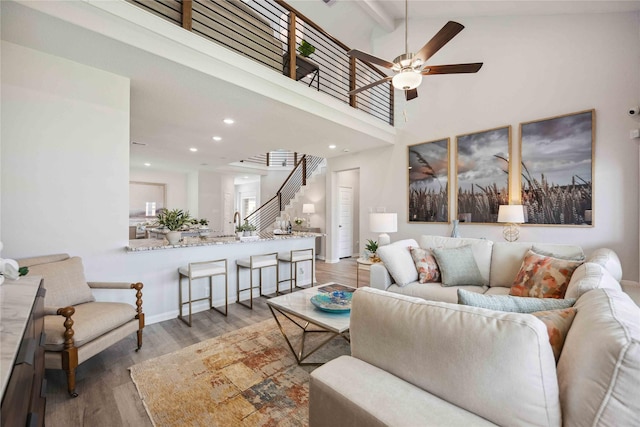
(107, 395)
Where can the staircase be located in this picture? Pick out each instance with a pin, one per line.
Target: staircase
(265, 216)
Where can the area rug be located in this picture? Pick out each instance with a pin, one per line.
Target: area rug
(244, 378)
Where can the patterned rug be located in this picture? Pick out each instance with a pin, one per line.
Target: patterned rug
(244, 378)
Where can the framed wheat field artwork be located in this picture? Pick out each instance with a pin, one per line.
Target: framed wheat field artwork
(482, 174)
(556, 169)
(429, 181)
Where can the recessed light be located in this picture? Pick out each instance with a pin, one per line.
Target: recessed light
(147, 164)
(217, 138)
(346, 150)
(193, 149)
(332, 146)
(246, 177)
(229, 121)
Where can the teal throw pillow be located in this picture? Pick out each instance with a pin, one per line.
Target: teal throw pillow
(458, 266)
(511, 303)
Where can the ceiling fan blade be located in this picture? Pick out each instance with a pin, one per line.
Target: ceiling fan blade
(446, 33)
(369, 58)
(411, 94)
(452, 69)
(369, 86)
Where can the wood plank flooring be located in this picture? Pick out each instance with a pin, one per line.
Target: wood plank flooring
(107, 395)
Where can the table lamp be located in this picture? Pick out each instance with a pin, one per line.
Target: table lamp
(308, 208)
(383, 223)
(512, 215)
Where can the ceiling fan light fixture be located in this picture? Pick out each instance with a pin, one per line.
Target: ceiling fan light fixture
(407, 79)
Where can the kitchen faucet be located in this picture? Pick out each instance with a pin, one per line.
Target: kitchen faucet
(236, 215)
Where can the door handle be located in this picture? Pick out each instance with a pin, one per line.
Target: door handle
(340, 226)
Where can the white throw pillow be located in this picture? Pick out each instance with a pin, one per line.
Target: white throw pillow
(397, 259)
(608, 259)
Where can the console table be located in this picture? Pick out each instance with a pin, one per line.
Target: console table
(22, 341)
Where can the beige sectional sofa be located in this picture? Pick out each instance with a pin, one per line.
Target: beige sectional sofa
(416, 362)
(419, 362)
(498, 262)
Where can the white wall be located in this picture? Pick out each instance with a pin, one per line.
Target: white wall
(65, 156)
(211, 189)
(534, 67)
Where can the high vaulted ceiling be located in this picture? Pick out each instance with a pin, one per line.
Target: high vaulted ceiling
(174, 108)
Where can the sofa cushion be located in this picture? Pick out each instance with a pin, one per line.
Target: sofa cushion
(609, 260)
(543, 277)
(511, 303)
(507, 257)
(458, 266)
(336, 398)
(426, 265)
(397, 259)
(558, 323)
(90, 321)
(457, 357)
(590, 276)
(434, 291)
(481, 248)
(599, 368)
(64, 281)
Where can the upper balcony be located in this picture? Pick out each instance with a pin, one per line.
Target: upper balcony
(275, 35)
(183, 84)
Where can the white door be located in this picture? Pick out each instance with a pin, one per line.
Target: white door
(345, 222)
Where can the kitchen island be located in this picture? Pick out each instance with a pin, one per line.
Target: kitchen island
(156, 264)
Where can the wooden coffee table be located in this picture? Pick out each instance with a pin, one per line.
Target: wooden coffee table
(298, 309)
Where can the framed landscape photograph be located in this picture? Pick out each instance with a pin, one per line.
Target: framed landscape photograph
(482, 174)
(429, 181)
(556, 176)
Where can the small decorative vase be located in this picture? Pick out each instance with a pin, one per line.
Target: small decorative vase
(239, 234)
(174, 237)
(455, 232)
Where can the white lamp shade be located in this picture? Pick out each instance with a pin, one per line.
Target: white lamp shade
(407, 79)
(383, 222)
(308, 208)
(511, 214)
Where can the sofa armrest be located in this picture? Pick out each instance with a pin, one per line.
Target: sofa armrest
(632, 289)
(608, 259)
(461, 354)
(379, 277)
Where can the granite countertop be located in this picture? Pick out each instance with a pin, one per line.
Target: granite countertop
(139, 245)
(16, 301)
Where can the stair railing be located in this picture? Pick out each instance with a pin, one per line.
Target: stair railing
(266, 215)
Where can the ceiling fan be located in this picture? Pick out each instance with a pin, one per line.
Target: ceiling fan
(409, 68)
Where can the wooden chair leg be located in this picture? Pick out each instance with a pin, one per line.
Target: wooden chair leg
(139, 314)
(69, 352)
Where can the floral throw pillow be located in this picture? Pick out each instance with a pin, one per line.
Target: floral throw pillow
(558, 323)
(543, 276)
(425, 264)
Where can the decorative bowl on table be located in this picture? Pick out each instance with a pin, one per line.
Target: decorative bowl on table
(333, 302)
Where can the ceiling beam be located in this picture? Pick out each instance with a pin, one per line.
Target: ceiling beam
(373, 8)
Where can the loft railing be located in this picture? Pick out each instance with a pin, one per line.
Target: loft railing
(274, 158)
(271, 32)
(266, 215)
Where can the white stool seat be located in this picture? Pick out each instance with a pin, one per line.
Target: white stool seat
(259, 261)
(198, 270)
(202, 270)
(294, 256)
(254, 262)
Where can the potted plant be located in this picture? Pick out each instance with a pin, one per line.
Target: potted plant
(173, 220)
(371, 247)
(306, 49)
(239, 230)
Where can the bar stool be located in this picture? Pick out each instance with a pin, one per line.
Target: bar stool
(198, 270)
(293, 258)
(255, 262)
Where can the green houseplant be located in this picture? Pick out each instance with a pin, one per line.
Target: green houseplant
(371, 247)
(306, 49)
(173, 220)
